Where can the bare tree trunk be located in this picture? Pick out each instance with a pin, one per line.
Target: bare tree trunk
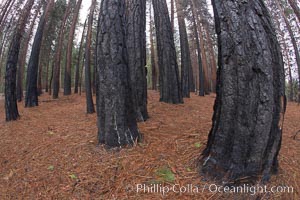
(67, 77)
(170, 90)
(245, 138)
(152, 49)
(78, 63)
(295, 7)
(116, 121)
(11, 107)
(31, 98)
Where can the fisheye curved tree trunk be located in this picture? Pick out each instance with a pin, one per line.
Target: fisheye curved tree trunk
(31, 98)
(245, 138)
(116, 121)
(170, 90)
(11, 107)
(136, 47)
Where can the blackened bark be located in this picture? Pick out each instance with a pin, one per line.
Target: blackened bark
(201, 73)
(248, 113)
(185, 51)
(67, 77)
(136, 48)
(31, 98)
(11, 107)
(170, 91)
(117, 124)
(88, 86)
(79, 60)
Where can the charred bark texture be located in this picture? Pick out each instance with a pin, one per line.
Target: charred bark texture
(170, 90)
(136, 47)
(11, 107)
(31, 98)
(186, 63)
(245, 138)
(117, 124)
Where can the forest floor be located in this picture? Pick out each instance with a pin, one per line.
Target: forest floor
(52, 153)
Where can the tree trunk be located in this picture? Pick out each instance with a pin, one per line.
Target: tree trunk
(172, 15)
(115, 110)
(245, 138)
(295, 7)
(57, 58)
(152, 49)
(31, 99)
(67, 77)
(20, 75)
(201, 73)
(87, 64)
(78, 63)
(11, 107)
(136, 47)
(5, 9)
(170, 91)
(185, 51)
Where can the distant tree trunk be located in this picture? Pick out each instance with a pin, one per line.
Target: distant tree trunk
(185, 51)
(170, 91)
(201, 73)
(295, 7)
(68, 80)
(11, 107)
(88, 87)
(20, 75)
(153, 60)
(57, 57)
(136, 47)
(78, 63)
(293, 40)
(245, 138)
(172, 15)
(31, 98)
(115, 110)
(5, 9)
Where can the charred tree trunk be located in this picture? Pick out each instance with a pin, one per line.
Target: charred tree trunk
(57, 58)
(31, 98)
(245, 138)
(136, 47)
(117, 124)
(87, 64)
(170, 91)
(153, 60)
(185, 51)
(78, 63)
(67, 77)
(201, 81)
(11, 107)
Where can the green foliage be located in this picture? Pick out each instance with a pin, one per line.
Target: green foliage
(197, 145)
(73, 176)
(165, 174)
(51, 168)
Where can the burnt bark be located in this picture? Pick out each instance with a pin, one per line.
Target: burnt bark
(185, 51)
(31, 98)
(245, 138)
(87, 63)
(117, 124)
(136, 48)
(67, 77)
(11, 107)
(78, 62)
(170, 90)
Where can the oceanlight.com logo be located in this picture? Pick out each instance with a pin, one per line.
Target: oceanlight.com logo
(211, 188)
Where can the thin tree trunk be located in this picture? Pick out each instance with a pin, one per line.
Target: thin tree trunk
(11, 107)
(172, 15)
(78, 63)
(88, 87)
(67, 77)
(170, 90)
(152, 49)
(295, 7)
(116, 121)
(185, 51)
(31, 98)
(245, 138)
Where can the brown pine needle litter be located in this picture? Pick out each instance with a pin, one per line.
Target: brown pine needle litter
(52, 153)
